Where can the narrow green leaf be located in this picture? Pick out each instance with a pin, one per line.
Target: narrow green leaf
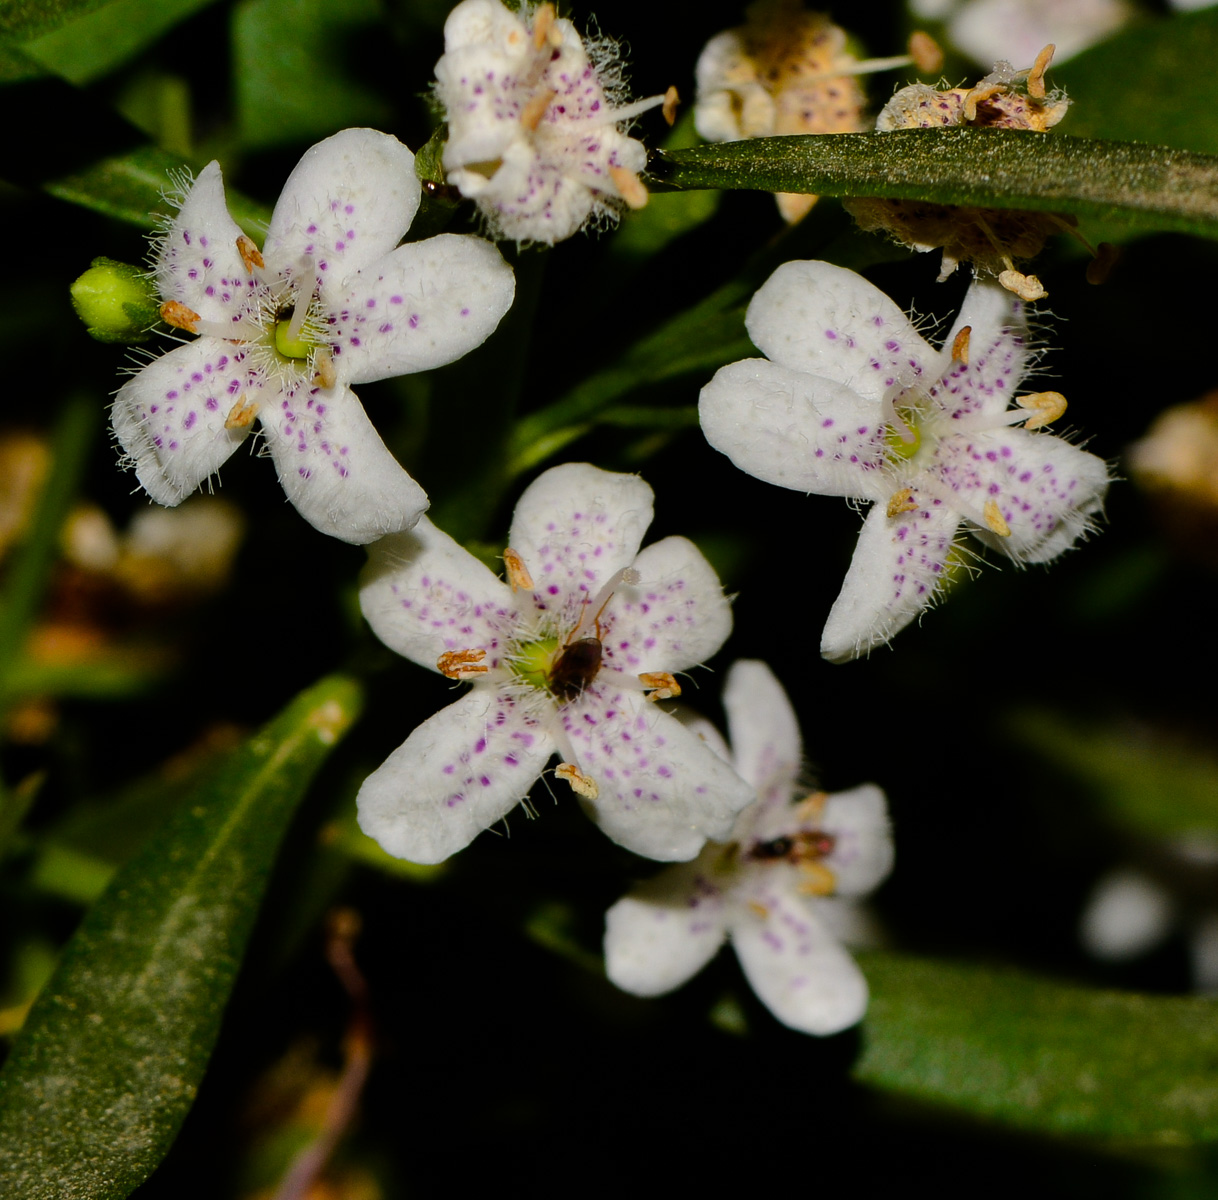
(21, 20)
(1040, 1055)
(111, 1055)
(1147, 186)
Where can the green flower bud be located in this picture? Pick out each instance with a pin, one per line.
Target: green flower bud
(116, 301)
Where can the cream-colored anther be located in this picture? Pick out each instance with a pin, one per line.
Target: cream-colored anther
(759, 909)
(323, 367)
(960, 345)
(1026, 287)
(531, 114)
(1048, 406)
(517, 573)
(630, 187)
(581, 784)
(817, 880)
(242, 414)
(994, 518)
(926, 53)
(1036, 76)
(901, 502)
(251, 256)
(979, 95)
(543, 22)
(669, 109)
(175, 313)
(663, 685)
(461, 664)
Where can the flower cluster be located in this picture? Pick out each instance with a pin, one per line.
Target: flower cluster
(284, 332)
(783, 889)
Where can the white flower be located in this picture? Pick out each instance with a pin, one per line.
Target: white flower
(561, 658)
(329, 302)
(782, 890)
(534, 119)
(853, 402)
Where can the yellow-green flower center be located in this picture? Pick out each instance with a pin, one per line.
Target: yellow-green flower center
(288, 346)
(532, 661)
(898, 447)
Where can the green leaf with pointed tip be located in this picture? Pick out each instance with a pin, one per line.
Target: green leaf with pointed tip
(1146, 187)
(112, 1053)
(1040, 1055)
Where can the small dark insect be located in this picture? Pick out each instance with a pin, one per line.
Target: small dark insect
(780, 847)
(575, 668)
(806, 846)
(442, 191)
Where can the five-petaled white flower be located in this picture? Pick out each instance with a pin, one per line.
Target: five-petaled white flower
(328, 302)
(784, 889)
(853, 402)
(534, 122)
(563, 658)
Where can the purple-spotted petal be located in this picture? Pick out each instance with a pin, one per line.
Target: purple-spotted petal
(457, 773)
(577, 525)
(862, 852)
(767, 750)
(794, 964)
(675, 617)
(424, 594)
(420, 307)
(828, 321)
(795, 430)
(197, 261)
(334, 467)
(1046, 489)
(666, 930)
(169, 418)
(663, 792)
(898, 566)
(347, 203)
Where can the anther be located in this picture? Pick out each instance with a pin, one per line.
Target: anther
(581, 784)
(1049, 407)
(242, 414)
(459, 664)
(812, 807)
(1026, 287)
(175, 313)
(517, 573)
(323, 365)
(759, 909)
(664, 686)
(251, 256)
(671, 100)
(979, 95)
(817, 880)
(543, 21)
(901, 502)
(926, 53)
(960, 345)
(629, 187)
(994, 518)
(1036, 76)
(531, 114)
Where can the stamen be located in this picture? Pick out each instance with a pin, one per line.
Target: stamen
(598, 602)
(581, 784)
(543, 21)
(175, 313)
(666, 687)
(671, 100)
(902, 502)
(629, 187)
(251, 256)
(459, 664)
(818, 880)
(531, 114)
(994, 518)
(960, 345)
(1036, 76)
(517, 573)
(925, 52)
(1049, 407)
(979, 95)
(1026, 287)
(323, 364)
(812, 807)
(242, 414)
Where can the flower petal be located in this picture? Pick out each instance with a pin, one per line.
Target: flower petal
(420, 307)
(577, 525)
(424, 594)
(347, 203)
(169, 418)
(675, 617)
(665, 931)
(796, 430)
(767, 750)
(197, 261)
(334, 467)
(898, 567)
(828, 321)
(862, 852)
(1046, 489)
(796, 967)
(457, 773)
(662, 790)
